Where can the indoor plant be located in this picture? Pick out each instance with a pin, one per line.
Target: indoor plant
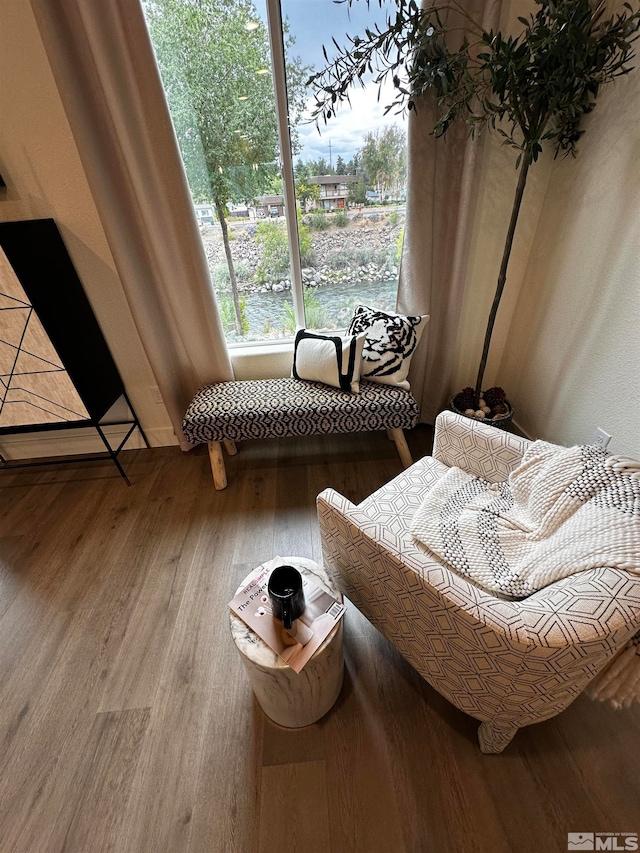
(533, 89)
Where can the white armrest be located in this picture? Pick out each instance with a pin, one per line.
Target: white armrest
(480, 449)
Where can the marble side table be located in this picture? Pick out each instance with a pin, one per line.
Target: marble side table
(288, 698)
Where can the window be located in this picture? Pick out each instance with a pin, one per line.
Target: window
(297, 225)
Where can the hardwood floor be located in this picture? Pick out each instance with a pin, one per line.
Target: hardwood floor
(127, 723)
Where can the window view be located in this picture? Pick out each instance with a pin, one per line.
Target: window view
(349, 179)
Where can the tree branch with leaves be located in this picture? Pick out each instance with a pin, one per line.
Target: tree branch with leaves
(533, 89)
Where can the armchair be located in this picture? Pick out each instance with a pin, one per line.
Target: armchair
(506, 663)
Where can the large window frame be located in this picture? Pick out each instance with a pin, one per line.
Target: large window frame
(370, 263)
(279, 77)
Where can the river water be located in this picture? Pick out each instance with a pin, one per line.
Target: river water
(266, 312)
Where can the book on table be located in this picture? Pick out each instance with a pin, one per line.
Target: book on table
(322, 613)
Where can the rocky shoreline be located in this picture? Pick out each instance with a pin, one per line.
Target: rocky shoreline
(366, 249)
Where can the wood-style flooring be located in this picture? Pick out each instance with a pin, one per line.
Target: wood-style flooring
(127, 723)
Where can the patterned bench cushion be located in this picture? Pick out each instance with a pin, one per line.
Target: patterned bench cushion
(273, 408)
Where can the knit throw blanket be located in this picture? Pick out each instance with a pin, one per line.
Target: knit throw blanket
(562, 511)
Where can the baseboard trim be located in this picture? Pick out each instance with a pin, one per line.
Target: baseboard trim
(78, 442)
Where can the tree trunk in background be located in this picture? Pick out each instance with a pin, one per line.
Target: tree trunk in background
(232, 272)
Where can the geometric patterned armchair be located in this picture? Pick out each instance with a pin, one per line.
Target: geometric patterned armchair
(506, 663)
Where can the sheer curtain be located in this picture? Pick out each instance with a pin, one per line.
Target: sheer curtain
(111, 90)
(442, 194)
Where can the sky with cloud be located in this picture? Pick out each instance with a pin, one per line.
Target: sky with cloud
(313, 23)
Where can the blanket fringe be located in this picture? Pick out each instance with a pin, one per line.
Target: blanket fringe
(619, 682)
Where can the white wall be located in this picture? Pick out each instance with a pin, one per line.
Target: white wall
(572, 357)
(40, 164)
(498, 179)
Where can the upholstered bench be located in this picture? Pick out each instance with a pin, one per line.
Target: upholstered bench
(276, 408)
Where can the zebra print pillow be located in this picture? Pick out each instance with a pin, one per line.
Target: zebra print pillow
(390, 342)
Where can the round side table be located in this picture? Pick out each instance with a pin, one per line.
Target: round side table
(288, 698)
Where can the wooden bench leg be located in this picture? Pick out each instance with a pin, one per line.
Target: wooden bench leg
(230, 447)
(401, 445)
(217, 465)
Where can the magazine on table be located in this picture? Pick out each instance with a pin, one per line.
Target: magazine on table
(321, 614)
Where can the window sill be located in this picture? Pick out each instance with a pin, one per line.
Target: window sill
(256, 347)
(268, 360)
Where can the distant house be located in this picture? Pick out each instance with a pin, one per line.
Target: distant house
(269, 205)
(239, 210)
(204, 214)
(334, 189)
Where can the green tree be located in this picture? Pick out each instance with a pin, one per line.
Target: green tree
(358, 191)
(319, 167)
(221, 101)
(354, 165)
(272, 238)
(533, 88)
(384, 159)
(341, 166)
(302, 171)
(307, 192)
